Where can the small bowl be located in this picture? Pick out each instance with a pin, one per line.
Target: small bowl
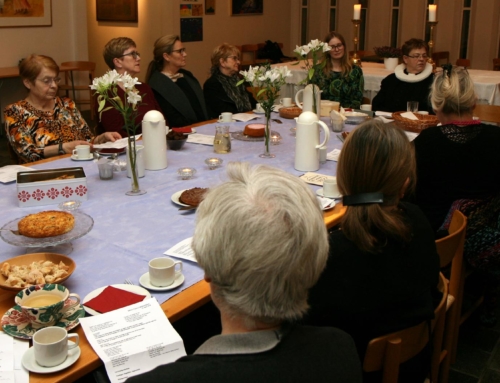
(213, 163)
(176, 144)
(186, 173)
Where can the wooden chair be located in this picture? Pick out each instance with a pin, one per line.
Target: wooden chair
(489, 113)
(249, 56)
(387, 352)
(438, 57)
(450, 250)
(496, 64)
(83, 66)
(463, 63)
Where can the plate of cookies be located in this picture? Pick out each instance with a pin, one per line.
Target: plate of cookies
(46, 228)
(34, 269)
(189, 197)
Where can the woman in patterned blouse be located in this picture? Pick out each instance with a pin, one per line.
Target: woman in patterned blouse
(340, 80)
(44, 125)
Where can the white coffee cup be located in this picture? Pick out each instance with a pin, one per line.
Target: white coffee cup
(162, 271)
(258, 108)
(51, 345)
(286, 101)
(366, 107)
(82, 151)
(330, 188)
(226, 117)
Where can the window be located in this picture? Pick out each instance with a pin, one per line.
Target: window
(395, 23)
(333, 15)
(362, 27)
(464, 33)
(303, 22)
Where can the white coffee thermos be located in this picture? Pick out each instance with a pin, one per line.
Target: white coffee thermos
(154, 139)
(311, 94)
(307, 141)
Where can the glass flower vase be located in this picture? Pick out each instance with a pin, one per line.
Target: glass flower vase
(132, 158)
(267, 138)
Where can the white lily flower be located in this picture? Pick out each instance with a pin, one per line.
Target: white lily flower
(133, 97)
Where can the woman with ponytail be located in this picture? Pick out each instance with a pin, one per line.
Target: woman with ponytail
(459, 159)
(383, 268)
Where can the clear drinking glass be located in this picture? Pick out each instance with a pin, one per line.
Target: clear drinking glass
(412, 106)
(222, 140)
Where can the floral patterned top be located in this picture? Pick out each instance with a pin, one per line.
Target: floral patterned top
(30, 130)
(348, 90)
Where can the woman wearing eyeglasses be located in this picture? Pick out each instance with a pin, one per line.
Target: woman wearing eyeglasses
(121, 55)
(44, 125)
(410, 81)
(340, 80)
(221, 92)
(177, 91)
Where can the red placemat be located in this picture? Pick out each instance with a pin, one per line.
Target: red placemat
(112, 298)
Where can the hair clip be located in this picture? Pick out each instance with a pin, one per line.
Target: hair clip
(447, 68)
(362, 199)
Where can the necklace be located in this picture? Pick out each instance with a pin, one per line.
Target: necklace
(464, 123)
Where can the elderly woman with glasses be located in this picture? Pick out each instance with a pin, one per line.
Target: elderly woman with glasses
(177, 91)
(221, 92)
(121, 55)
(410, 81)
(340, 80)
(261, 252)
(44, 125)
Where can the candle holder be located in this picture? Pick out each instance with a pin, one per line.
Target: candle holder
(432, 24)
(186, 173)
(69, 205)
(355, 59)
(275, 139)
(213, 162)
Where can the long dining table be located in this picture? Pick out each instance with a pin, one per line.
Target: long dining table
(129, 231)
(486, 82)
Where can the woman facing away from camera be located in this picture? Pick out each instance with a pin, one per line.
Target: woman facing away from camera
(177, 91)
(383, 268)
(340, 80)
(44, 125)
(221, 92)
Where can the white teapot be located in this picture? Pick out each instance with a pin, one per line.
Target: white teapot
(307, 141)
(310, 92)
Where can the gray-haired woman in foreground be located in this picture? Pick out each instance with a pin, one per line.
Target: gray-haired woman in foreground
(261, 252)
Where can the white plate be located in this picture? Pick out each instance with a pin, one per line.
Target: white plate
(75, 158)
(30, 363)
(131, 288)
(320, 193)
(175, 198)
(257, 112)
(144, 281)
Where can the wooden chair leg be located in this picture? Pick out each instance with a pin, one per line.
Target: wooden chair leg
(391, 362)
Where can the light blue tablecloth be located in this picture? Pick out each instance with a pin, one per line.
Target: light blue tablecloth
(130, 231)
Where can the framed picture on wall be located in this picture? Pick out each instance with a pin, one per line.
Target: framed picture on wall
(25, 13)
(117, 10)
(247, 7)
(209, 7)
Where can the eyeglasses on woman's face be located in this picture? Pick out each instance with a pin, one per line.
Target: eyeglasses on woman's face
(134, 54)
(336, 47)
(235, 58)
(180, 51)
(47, 81)
(421, 56)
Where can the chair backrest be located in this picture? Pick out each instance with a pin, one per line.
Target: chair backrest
(449, 247)
(438, 57)
(387, 352)
(463, 62)
(249, 55)
(489, 113)
(496, 64)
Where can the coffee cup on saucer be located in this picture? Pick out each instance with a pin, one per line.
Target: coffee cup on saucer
(81, 152)
(226, 117)
(330, 188)
(286, 101)
(258, 108)
(51, 345)
(45, 305)
(162, 271)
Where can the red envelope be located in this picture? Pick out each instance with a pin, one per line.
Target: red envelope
(186, 129)
(112, 298)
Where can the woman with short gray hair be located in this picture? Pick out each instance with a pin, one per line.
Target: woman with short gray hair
(261, 240)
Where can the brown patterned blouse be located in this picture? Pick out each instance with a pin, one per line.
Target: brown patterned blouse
(30, 130)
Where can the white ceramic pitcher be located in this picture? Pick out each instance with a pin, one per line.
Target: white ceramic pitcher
(308, 101)
(307, 141)
(154, 139)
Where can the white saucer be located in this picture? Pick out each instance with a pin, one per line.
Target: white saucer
(320, 193)
(75, 158)
(175, 198)
(257, 112)
(132, 288)
(30, 363)
(144, 281)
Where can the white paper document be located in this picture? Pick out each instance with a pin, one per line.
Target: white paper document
(314, 178)
(202, 139)
(133, 340)
(182, 250)
(118, 144)
(333, 155)
(9, 173)
(11, 354)
(244, 117)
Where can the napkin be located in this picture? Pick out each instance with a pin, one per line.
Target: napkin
(333, 155)
(338, 115)
(383, 114)
(186, 129)
(326, 203)
(409, 116)
(112, 298)
(244, 117)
